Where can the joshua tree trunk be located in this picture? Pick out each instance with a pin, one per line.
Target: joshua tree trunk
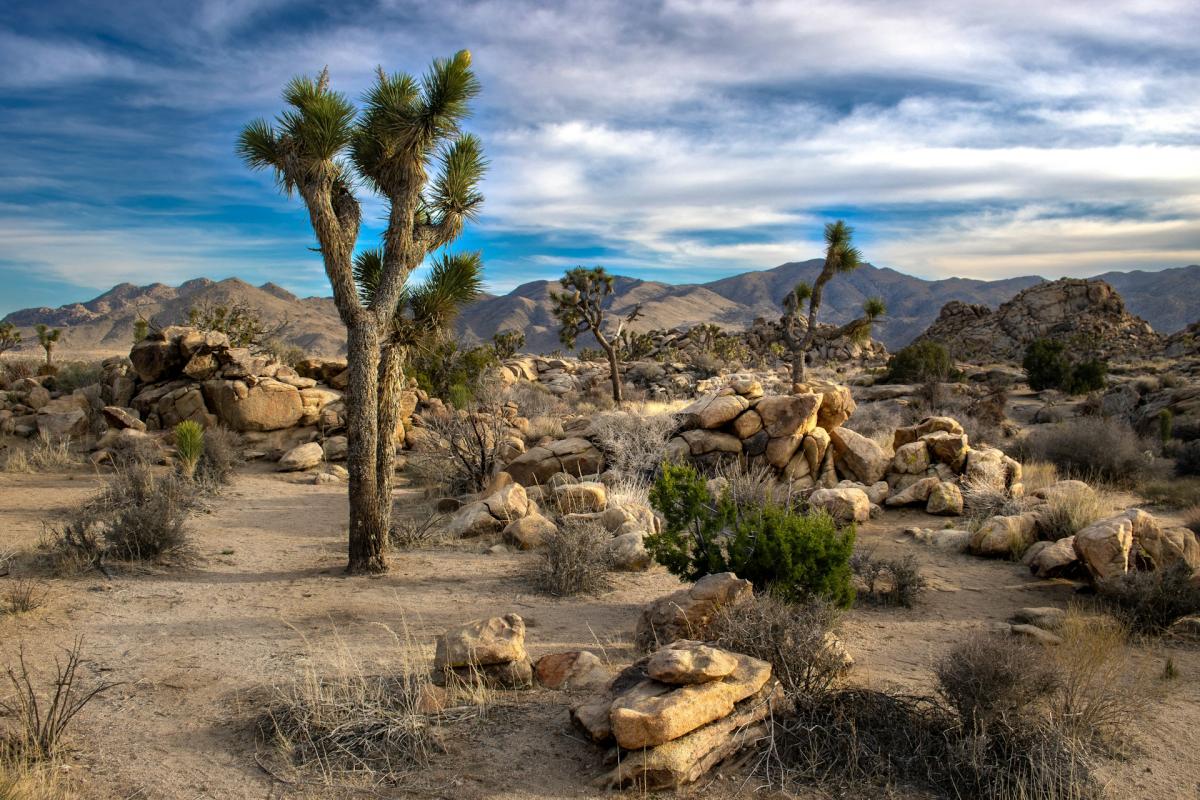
(615, 371)
(370, 491)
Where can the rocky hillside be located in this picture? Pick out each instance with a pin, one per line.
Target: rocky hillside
(1089, 312)
(106, 323)
(1166, 299)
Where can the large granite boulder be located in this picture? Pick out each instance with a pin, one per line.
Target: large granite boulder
(267, 405)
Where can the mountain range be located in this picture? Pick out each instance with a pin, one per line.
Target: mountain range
(1167, 299)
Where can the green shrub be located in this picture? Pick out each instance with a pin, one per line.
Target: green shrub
(507, 344)
(450, 372)
(920, 362)
(794, 555)
(1048, 366)
(74, 375)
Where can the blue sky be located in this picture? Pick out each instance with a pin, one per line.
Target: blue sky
(682, 140)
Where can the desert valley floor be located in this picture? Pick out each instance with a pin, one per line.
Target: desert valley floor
(196, 650)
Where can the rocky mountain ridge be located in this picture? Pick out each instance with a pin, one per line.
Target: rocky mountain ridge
(1166, 299)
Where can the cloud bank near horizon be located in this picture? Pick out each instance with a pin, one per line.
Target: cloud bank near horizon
(681, 140)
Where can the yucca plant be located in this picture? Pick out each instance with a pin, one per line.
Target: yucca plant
(405, 145)
(189, 446)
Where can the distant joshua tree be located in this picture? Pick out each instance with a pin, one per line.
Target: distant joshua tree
(840, 256)
(48, 338)
(10, 337)
(322, 148)
(507, 343)
(581, 306)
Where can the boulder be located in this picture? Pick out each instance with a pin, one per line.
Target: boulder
(583, 497)
(858, 457)
(508, 503)
(529, 531)
(1005, 537)
(747, 424)
(945, 499)
(815, 446)
(912, 433)
(301, 457)
(572, 671)
(687, 662)
(652, 713)
(1104, 547)
(122, 418)
(1156, 546)
(911, 459)
(336, 448)
(837, 404)
(474, 519)
(713, 411)
(627, 552)
(916, 492)
(685, 614)
(64, 417)
(155, 359)
(844, 504)
(703, 442)
(495, 640)
(789, 415)
(947, 448)
(573, 455)
(268, 405)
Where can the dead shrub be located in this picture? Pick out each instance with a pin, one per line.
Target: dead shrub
(574, 560)
(1103, 448)
(754, 486)
(42, 721)
(1172, 493)
(339, 721)
(797, 639)
(21, 597)
(988, 679)
(888, 581)
(1068, 511)
(1100, 688)
(534, 401)
(633, 444)
(223, 454)
(408, 532)
(1149, 601)
(476, 439)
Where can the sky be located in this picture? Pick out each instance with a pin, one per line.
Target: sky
(682, 140)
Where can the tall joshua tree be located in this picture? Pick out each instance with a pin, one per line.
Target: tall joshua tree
(840, 256)
(48, 338)
(320, 148)
(581, 306)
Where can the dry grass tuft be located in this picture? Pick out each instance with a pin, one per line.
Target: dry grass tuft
(574, 560)
(1069, 511)
(21, 597)
(1037, 475)
(418, 530)
(339, 721)
(46, 454)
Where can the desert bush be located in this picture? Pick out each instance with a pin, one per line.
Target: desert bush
(1187, 459)
(507, 344)
(1149, 601)
(574, 560)
(542, 427)
(74, 375)
(1037, 475)
(1091, 447)
(13, 369)
(988, 679)
(1066, 512)
(1172, 493)
(339, 721)
(984, 497)
(476, 439)
(633, 444)
(456, 374)
(534, 400)
(1100, 688)
(799, 556)
(797, 639)
(42, 721)
(920, 362)
(422, 529)
(222, 455)
(189, 446)
(46, 454)
(242, 323)
(888, 581)
(1047, 365)
(21, 597)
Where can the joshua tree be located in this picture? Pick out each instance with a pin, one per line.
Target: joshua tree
(10, 337)
(507, 343)
(47, 338)
(840, 256)
(322, 148)
(581, 307)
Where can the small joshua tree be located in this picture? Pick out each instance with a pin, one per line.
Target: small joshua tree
(47, 338)
(10, 337)
(840, 256)
(582, 306)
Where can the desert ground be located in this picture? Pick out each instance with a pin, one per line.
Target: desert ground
(196, 649)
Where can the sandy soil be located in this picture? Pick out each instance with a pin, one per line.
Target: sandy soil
(194, 648)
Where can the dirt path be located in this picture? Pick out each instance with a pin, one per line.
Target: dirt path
(194, 648)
